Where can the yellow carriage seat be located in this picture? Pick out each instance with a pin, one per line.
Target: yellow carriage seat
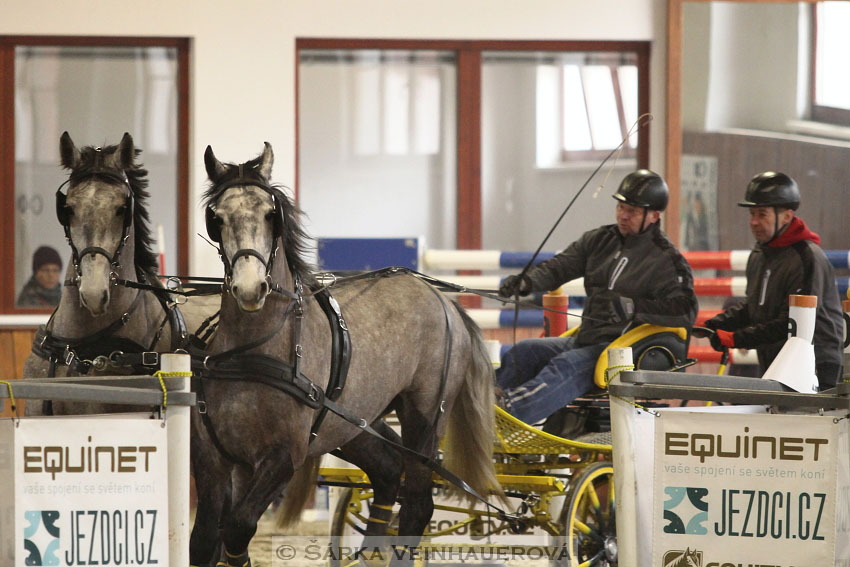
(653, 348)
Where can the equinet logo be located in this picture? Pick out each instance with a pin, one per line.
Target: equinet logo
(679, 558)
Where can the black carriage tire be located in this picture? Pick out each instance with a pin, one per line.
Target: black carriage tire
(590, 533)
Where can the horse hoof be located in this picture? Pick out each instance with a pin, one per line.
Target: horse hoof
(228, 560)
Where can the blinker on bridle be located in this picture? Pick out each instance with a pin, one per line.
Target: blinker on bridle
(214, 229)
(64, 219)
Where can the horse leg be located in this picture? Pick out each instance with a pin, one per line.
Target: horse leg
(271, 474)
(214, 489)
(417, 497)
(384, 466)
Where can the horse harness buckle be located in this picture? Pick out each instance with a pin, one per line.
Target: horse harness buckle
(150, 359)
(69, 356)
(314, 393)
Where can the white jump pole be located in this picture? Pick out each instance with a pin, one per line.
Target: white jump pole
(177, 423)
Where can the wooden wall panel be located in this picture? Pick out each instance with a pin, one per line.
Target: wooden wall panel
(15, 347)
(822, 171)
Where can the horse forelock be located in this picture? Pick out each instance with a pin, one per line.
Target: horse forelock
(93, 164)
(296, 241)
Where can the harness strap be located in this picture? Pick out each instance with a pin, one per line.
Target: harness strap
(340, 354)
(198, 387)
(436, 467)
(78, 354)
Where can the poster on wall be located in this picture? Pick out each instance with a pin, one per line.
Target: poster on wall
(698, 214)
(747, 489)
(86, 492)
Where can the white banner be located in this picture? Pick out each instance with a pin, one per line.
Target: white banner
(90, 492)
(745, 489)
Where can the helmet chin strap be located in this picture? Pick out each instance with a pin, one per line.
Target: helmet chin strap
(777, 230)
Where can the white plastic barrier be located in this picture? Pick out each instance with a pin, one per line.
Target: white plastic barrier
(98, 490)
(730, 485)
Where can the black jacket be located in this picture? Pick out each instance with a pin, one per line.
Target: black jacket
(761, 322)
(646, 268)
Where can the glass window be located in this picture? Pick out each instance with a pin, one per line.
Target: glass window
(463, 142)
(95, 93)
(397, 108)
(831, 99)
(548, 118)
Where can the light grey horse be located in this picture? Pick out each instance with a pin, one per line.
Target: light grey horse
(413, 351)
(105, 218)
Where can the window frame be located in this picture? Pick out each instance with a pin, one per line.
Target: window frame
(818, 112)
(8, 43)
(469, 62)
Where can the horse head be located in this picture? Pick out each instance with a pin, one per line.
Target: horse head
(98, 215)
(250, 219)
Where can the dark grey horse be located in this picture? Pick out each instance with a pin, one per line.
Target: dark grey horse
(106, 219)
(401, 331)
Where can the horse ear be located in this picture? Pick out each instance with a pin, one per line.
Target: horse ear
(69, 153)
(126, 151)
(267, 161)
(215, 169)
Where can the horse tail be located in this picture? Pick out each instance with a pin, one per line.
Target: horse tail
(298, 491)
(471, 425)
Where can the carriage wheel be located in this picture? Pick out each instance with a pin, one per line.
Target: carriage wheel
(590, 519)
(349, 525)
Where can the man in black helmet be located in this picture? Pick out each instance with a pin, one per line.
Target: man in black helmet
(632, 274)
(786, 260)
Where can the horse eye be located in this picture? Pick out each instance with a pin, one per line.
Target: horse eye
(69, 211)
(270, 216)
(121, 210)
(218, 220)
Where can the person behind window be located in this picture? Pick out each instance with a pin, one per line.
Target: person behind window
(43, 288)
(632, 273)
(786, 260)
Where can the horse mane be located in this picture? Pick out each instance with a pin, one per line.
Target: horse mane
(295, 238)
(91, 164)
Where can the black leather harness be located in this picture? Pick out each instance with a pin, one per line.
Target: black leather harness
(103, 349)
(239, 365)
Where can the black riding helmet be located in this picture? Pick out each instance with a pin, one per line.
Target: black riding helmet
(644, 188)
(772, 189)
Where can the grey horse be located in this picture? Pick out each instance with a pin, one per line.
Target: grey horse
(105, 217)
(412, 351)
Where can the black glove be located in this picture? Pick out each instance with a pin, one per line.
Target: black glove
(623, 309)
(712, 324)
(715, 342)
(515, 285)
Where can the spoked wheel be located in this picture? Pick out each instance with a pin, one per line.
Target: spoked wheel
(590, 519)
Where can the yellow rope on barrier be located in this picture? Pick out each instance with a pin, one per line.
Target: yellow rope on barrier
(637, 405)
(619, 368)
(11, 395)
(160, 375)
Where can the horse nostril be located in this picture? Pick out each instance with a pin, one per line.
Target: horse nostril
(235, 289)
(104, 298)
(264, 289)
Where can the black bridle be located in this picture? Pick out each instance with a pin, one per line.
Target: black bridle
(213, 224)
(63, 214)
(103, 349)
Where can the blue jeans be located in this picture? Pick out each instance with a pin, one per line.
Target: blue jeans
(540, 376)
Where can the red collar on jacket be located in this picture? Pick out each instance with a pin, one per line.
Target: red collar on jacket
(796, 231)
